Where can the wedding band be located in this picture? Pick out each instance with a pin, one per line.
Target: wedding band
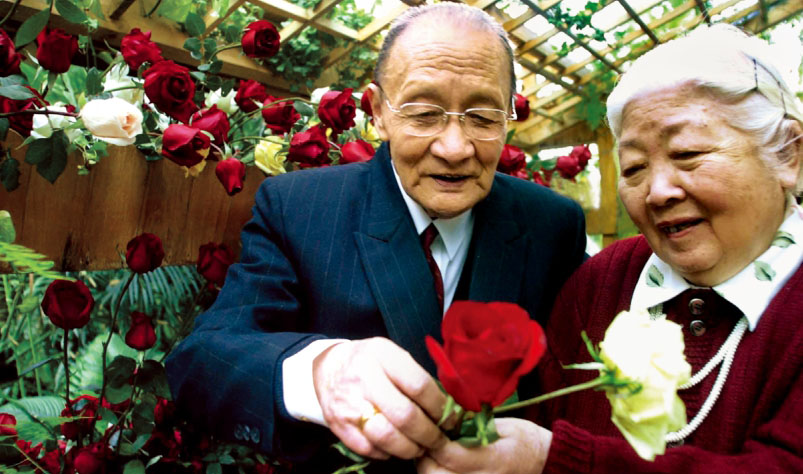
(364, 419)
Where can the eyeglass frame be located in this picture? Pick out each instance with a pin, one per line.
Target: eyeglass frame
(461, 116)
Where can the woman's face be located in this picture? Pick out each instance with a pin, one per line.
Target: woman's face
(696, 187)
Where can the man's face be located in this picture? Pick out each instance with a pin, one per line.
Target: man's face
(436, 63)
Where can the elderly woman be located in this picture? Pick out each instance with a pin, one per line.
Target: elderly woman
(710, 149)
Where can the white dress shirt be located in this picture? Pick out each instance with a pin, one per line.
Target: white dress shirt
(449, 250)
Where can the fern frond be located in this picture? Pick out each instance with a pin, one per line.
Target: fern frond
(24, 260)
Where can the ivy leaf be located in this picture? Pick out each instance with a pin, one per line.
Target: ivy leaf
(783, 239)
(764, 272)
(195, 24)
(16, 92)
(654, 277)
(70, 12)
(10, 177)
(31, 27)
(49, 155)
(193, 45)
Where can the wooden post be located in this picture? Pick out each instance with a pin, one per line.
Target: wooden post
(603, 220)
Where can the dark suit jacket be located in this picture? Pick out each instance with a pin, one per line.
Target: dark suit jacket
(333, 252)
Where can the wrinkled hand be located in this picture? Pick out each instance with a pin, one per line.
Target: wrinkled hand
(522, 448)
(377, 399)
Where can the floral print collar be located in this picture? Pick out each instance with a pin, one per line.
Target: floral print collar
(750, 290)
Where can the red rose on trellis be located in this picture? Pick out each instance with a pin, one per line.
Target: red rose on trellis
(260, 40)
(55, 49)
(9, 57)
(356, 151)
(185, 145)
(511, 160)
(337, 110)
(309, 148)
(231, 173)
(214, 121)
(250, 95)
(522, 105)
(279, 117)
(144, 253)
(68, 304)
(171, 89)
(137, 48)
(23, 123)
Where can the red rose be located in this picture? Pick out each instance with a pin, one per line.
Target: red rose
(83, 409)
(186, 146)
(522, 106)
(487, 348)
(541, 179)
(171, 89)
(164, 411)
(137, 48)
(522, 173)
(582, 153)
(68, 303)
(51, 461)
(144, 253)
(512, 160)
(231, 173)
(260, 40)
(22, 124)
(214, 121)
(356, 151)
(8, 425)
(56, 49)
(250, 95)
(9, 57)
(281, 117)
(141, 335)
(365, 102)
(213, 262)
(568, 166)
(265, 468)
(91, 459)
(337, 110)
(309, 148)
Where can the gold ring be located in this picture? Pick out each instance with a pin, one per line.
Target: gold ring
(364, 419)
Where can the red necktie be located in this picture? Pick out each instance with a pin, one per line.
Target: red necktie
(427, 237)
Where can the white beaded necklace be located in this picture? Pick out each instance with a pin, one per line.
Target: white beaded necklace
(725, 356)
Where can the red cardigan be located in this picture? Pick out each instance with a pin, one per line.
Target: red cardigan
(756, 424)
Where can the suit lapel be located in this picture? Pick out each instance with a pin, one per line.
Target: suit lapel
(395, 265)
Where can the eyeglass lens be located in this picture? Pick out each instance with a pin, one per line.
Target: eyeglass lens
(423, 120)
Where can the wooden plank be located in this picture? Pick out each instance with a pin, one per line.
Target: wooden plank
(603, 219)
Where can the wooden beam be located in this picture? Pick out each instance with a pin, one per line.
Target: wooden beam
(214, 21)
(603, 219)
(703, 11)
(637, 18)
(775, 15)
(315, 18)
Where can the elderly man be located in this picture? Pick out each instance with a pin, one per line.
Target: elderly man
(319, 331)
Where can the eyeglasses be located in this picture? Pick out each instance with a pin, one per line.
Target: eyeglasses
(426, 120)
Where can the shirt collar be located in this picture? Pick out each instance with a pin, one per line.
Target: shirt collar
(453, 231)
(750, 290)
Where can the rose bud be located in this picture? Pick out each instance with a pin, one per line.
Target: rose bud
(8, 425)
(68, 303)
(540, 179)
(365, 102)
(522, 173)
(214, 121)
(486, 348)
(260, 40)
(280, 117)
(184, 145)
(144, 253)
(356, 151)
(55, 49)
(568, 166)
(23, 123)
(91, 459)
(250, 95)
(522, 106)
(141, 335)
(9, 57)
(164, 411)
(137, 49)
(213, 262)
(112, 120)
(51, 461)
(337, 110)
(309, 148)
(231, 173)
(171, 89)
(582, 153)
(511, 160)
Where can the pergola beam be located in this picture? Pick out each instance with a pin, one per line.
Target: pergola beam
(637, 18)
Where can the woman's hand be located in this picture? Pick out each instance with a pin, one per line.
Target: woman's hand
(522, 448)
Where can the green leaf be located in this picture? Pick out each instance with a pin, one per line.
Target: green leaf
(195, 24)
(119, 372)
(16, 92)
(176, 10)
(26, 260)
(31, 27)
(94, 81)
(764, 272)
(49, 155)
(29, 303)
(654, 277)
(509, 136)
(70, 12)
(226, 459)
(10, 177)
(134, 467)
(193, 45)
(7, 232)
(214, 468)
(12, 80)
(304, 109)
(119, 394)
(152, 378)
(783, 239)
(4, 126)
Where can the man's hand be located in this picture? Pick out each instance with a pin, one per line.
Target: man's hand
(522, 448)
(377, 399)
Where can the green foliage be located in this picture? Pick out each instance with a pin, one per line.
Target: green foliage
(176, 10)
(577, 23)
(70, 12)
(9, 173)
(357, 69)
(31, 27)
(347, 13)
(49, 155)
(22, 259)
(301, 59)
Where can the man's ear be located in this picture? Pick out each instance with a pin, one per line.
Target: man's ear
(375, 96)
(791, 156)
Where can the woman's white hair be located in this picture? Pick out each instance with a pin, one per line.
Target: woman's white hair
(735, 69)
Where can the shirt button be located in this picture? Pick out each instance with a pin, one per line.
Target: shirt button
(696, 306)
(697, 327)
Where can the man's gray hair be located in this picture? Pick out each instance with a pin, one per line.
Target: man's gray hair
(736, 69)
(454, 14)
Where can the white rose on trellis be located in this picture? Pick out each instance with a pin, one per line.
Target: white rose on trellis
(225, 103)
(649, 352)
(268, 159)
(114, 120)
(120, 84)
(44, 124)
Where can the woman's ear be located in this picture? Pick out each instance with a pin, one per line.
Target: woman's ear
(791, 156)
(375, 96)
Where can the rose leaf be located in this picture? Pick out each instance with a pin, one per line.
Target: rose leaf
(10, 174)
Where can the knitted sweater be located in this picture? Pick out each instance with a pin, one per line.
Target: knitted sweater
(756, 424)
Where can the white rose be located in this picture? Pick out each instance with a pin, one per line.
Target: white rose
(112, 120)
(649, 352)
(267, 158)
(225, 103)
(118, 78)
(44, 124)
(317, 94)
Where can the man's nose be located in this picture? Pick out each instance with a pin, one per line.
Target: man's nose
(452, 144)
(664, 186)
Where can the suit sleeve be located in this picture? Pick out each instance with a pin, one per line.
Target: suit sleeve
(226, 375)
